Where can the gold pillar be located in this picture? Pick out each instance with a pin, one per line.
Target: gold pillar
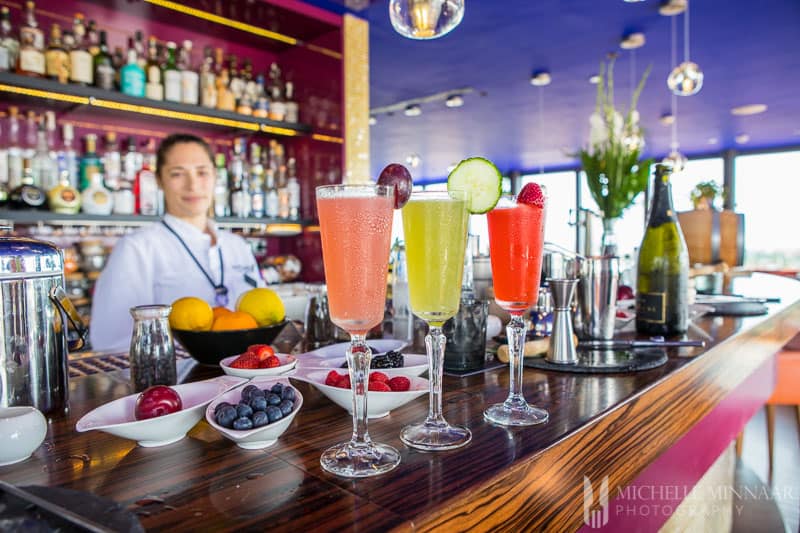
(356, 100)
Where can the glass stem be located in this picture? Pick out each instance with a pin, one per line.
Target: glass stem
(358, 357)
(434, 344)
(516, 331)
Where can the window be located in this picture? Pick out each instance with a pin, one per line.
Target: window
(767, 189)
(696, 171)
(629, 228)
(561, 201)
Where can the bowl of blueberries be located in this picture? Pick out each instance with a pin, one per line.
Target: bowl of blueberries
(255, 414)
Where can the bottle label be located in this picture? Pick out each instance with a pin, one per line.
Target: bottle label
(57, 63)
(154, 91)
(31, 61)
(104, 77)
(172, 85)
(189, 87)
(154, 74)
(4, 59)
(81, 66)
(651, 307)
(133, 80)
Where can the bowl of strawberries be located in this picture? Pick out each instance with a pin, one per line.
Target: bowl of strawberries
(384, 393)
(258, 360)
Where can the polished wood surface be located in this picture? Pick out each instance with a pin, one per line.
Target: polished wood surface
(510, 479)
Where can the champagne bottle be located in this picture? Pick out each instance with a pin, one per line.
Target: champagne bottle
(663, 271)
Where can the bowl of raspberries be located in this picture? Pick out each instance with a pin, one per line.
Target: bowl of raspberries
(256, 413)
(257, 361)
(384, 393)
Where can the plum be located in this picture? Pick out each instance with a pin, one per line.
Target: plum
(158, 400)
(397, 176)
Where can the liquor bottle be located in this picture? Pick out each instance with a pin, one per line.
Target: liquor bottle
(64, 198)
(9, 44)
(190, 80)
(15, 167)
(145, 185)
(138, 45)
(31, 28)
(132, 161)
(261, 103)
(240, 191)
(292, 107)
(43, 167)
(80, 60)
(236, 84)
(272, 206)
(172, 76)
(250, 84)
(663, 271)
(27, 195)
(283, 193)
(221, 206)
(256, 172)
(68, 158)
(154, 89)
(31, 57)
(118, 59)
(104, 73)
(131, 77)
(124, 199)
(96, 199)
(3, 170)
(112, 162)
(277, 106)
(293, 190)
(56, 57)
(90, 162)
(50, 134)
(208, 80)
(225, 98)
(92, 39)
(31, 130)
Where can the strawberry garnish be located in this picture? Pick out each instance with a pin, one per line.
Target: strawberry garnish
(400, 383)
(263, 351)
(247, 360)
(379, 386)
(344, 382)
(333, 378)
(270, 362)
(378, 376)
(531, 194)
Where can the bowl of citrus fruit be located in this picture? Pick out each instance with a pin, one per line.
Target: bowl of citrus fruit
(210, 334)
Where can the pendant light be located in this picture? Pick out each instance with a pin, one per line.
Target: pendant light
(687, 78)
(675, 158)
(425, 19)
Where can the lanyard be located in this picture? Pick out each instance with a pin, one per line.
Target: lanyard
(220, 290)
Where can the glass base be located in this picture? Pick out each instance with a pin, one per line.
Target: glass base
(365, 460)
(522, 414)
(434, 437)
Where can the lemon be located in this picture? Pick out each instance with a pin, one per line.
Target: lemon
(262, 304)
(191, 314)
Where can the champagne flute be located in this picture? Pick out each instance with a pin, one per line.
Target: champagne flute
(516, 239)
(435, 228)
(355, 227)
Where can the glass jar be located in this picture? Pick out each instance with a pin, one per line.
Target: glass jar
(152, 353)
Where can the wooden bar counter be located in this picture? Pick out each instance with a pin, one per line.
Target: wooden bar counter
(528, 479)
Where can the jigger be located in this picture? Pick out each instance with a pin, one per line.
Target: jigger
(562, 346)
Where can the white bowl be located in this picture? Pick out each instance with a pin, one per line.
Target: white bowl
(379, 404)
(337, 350)
(22, 430)
(117, 417)
(256, 438)
(288, 362)
(413, 364)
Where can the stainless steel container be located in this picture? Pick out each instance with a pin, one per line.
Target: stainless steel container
(34, 311)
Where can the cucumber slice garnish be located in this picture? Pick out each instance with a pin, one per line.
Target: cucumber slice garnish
(482, 181)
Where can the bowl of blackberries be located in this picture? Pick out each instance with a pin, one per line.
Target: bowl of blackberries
(255, 414)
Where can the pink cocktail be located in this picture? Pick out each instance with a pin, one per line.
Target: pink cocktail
(355, 227)
(516, 240)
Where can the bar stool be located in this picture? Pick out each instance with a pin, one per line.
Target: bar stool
(787, 392)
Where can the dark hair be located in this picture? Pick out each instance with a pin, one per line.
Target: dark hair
(179, 138)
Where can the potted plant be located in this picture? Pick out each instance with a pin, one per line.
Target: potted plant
(705, 193)
(614, 172)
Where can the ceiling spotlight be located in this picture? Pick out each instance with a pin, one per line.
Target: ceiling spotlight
(742, 138)
(749, 109)
(372, 120)
(541, 78)
(425, 19)
(412, 110)
(632, 41)
(667, 119)
(454, 100)
(594, 79)
(713, 140)
(633, 1)
(670, 8)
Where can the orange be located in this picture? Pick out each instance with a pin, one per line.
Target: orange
(234, 320)
(191, 314)
(219, 311)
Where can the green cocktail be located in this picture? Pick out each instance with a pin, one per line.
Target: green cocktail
(435, 228)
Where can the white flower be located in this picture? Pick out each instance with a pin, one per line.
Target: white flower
(598, 132)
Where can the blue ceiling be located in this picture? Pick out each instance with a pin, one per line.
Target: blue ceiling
(749, 52)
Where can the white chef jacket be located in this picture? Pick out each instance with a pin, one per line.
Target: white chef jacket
(150, 266)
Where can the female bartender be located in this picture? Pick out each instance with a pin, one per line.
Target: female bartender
(182, 255)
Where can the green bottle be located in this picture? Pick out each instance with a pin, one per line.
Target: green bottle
(663, 271)
(90, 162)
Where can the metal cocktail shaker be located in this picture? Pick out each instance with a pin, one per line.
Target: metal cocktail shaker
(34, 311)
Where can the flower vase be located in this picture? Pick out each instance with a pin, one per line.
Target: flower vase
(608, 246)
